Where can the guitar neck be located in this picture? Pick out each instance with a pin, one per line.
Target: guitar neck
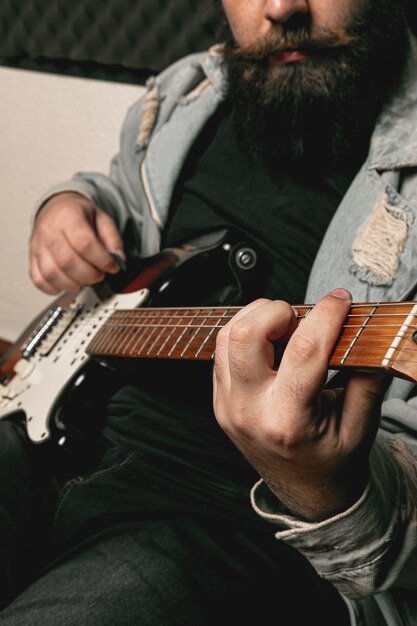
(374, 335)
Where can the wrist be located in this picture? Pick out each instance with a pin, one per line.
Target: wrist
(314, 501)
(57, 199)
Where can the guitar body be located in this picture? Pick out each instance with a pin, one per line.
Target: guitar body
(47, 375)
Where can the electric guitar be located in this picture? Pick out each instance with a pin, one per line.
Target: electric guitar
(125, 320)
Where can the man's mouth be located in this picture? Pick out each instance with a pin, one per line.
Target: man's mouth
(290, 56)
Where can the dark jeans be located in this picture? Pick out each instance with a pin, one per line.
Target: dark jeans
(95, 550)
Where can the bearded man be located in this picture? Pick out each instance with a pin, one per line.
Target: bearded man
(269, 489)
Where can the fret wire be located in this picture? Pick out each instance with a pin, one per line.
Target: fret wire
(154, 327)
(157, 339)
(133, 338)
(142, 345)
(180, 337)
(133, 348)
(173, 326)
(358, 334)
(194, 337)
(207, 338)
(160, 338)
(402, 333)
(116, 341)
(102, 340)
(108, 336)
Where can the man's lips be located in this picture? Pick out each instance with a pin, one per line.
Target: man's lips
(290, 56)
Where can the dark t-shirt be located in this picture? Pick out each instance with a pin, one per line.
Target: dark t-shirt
(285, 212)
(165, 414)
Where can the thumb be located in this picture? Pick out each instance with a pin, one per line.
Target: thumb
(363, 398)
(108, 234)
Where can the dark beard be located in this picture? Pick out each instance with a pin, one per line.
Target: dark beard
(320, 110)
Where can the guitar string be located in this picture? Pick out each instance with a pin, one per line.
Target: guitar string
(133, 319)
(124, 322)
(112, 325)
(138, 314)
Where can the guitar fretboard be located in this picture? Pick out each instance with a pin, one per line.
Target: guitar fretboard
(168, 333)
(374, 335)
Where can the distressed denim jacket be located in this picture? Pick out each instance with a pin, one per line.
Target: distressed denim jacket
(368, 552)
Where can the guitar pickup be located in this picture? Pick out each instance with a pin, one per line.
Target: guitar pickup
(50, 329)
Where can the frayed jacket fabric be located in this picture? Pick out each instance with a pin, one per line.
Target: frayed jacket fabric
(370, 551)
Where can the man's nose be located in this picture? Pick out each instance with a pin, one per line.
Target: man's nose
(284, 10)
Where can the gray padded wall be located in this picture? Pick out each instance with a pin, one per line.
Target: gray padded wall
(129, 37)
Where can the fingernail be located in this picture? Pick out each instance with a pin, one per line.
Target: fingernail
(342, 294)
(121, 253)
(119, 258)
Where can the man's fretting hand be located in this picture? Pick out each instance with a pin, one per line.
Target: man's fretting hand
(310, 445)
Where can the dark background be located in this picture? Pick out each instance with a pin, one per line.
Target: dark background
(122, 40)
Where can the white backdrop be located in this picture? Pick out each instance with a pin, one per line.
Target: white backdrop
(50, 127)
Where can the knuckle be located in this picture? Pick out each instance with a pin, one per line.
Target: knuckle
(291, 442)
(284, 434)
(302, 348)
(242, 331)
(65, 260)
(277, 437)
(240, 420)
(82, 241)
(49, 273)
